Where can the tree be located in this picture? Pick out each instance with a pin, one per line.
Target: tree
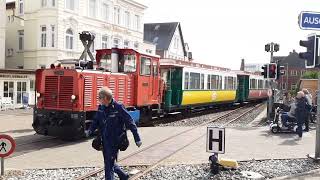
(310, 75)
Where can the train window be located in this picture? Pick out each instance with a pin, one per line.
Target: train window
(129, 63)
(208, 82)
(155, 69)
(214, 82)
(186, 80)
(260, 84)
(194, 81)
(202, 81)
(253, 84)
(220, 82)
(266, 84)
(229, 82)
(234, 83)
(145, 65)
(105, 62)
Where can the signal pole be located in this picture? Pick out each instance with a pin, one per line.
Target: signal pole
(271, 47)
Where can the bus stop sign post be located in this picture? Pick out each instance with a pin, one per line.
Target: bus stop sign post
(7, 146)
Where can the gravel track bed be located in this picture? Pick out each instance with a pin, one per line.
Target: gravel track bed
(222, 122)
(245, 120)
(198, 120)
(60, 174)
(267, 168)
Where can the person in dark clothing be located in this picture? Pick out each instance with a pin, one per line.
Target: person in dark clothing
(300, 111)
(110, 120)
(308, 98)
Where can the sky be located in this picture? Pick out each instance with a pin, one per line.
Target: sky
(222, 32)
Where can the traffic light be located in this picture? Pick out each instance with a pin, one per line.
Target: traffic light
(267, 47)
(264, 72)
(276, 47)
(280, 71)
(272, 71)
(311, 55)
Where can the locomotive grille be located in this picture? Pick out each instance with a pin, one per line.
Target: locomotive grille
(87, 91)
(99, 86)
(112, 84)
(65, 91)
(58, 91)
(130, 91)
(121, 89)
(51, 92)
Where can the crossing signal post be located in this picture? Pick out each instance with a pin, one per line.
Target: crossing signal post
(313, 60)
(271, 74)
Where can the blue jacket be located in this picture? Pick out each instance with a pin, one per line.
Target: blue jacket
(110, 121)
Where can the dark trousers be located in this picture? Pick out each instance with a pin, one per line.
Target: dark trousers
(110, 167)
(300, 123)
(306, 121)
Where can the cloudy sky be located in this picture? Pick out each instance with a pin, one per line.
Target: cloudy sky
(222, 32)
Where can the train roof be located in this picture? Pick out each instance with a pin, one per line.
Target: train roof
(180, 63)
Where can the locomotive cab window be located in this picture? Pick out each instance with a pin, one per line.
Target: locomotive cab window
(145, 66)
(129, 63)
(105, 62)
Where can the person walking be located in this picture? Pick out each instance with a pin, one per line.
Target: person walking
(308, 98)
(300, 111)
(110, 120)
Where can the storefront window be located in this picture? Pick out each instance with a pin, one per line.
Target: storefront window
(21, 90)
(8, 89)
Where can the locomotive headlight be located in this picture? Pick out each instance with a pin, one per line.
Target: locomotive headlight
(73, 97)
(38, 95)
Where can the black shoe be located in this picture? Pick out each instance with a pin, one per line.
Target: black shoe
(125, 178)
(306, 130)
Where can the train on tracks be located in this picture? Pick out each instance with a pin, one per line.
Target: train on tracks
(67, 99)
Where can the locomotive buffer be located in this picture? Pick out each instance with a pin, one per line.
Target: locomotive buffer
(87, 39)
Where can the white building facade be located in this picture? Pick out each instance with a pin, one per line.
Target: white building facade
(2, 32)
(50, 29)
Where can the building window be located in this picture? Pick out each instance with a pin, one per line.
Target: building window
(294, 73)
(43, 3)
(31, 85)
(136, 45)
(116, 42)
(92, 8)
(21, 39)
(116, 15)
(293, 86)
(52, 35)
(105, 11)
(69, 39)
(176, 42)
(53, 3)
(137, 22)
(126, 44)
(43, 36)
(284, 86)
(70, 4)
(21, 10)
(104, 43)
(10, 52)
(127, 19)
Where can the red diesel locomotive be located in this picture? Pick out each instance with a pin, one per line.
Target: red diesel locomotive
(67, 99)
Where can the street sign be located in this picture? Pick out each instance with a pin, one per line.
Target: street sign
(216, 140)
(7, 145)
(309, 20)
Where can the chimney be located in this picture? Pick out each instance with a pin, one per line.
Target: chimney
(242, 65)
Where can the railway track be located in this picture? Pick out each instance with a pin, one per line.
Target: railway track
(168, 147)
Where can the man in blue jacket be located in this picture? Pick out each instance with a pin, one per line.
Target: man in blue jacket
(110, 119)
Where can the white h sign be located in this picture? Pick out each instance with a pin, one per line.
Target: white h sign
(215, 140)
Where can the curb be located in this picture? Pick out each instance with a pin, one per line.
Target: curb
(299, 175)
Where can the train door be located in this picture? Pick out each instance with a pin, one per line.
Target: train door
(176, 86)
(155, 83)
(243, 88)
